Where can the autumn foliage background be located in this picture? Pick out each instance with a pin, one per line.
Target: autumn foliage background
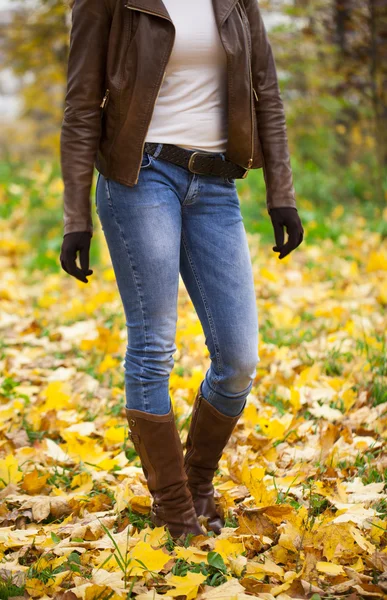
(303, 480)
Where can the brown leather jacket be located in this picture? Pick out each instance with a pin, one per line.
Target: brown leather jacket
(119, 50)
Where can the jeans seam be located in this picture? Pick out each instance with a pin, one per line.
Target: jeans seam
(190, 198)
(136, 285)
(208, 313)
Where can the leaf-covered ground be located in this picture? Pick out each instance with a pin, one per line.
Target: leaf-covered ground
(302, 481)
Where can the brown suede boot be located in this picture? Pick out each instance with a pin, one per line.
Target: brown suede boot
(208, 434)
(158, 444)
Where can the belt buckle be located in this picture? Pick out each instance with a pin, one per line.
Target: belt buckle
(192, 159)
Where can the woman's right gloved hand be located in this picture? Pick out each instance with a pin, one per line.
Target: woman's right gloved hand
(72, 243)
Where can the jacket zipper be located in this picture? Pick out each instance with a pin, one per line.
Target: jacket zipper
(105, 99)
(250, 162)
(164, 68)
(252, 117)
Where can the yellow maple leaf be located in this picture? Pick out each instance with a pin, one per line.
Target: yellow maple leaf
(57, 396)
(7, 412)
(83, 482)
(377, 262)
(269, 275)
(272, 428)
(332, 538)
(268, 567)
(145, 558)
(294, 399)
(107, 364)
(336, 537)
(140, 504)
(349, 398)
(112, 580)
(35, 587)
(185, 586)
(45, 562)
(361, 541)
(197, 373)
(378, 529)
(84, 448)
(9, 471)
(108, 464)
(308, 375)
(191, 554)
(358, 565)
(289, 577)
(155, 537)
(34, 482)
(250, 415)
(252, 477)
(227, 548)
(109, 274)
(115, 435)
(329, 568)
(284, 316)
(290, 537)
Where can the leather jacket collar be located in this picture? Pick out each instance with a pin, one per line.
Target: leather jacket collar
(222, 8)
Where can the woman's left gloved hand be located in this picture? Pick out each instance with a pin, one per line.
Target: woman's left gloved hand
(77, 241)
(286, 217)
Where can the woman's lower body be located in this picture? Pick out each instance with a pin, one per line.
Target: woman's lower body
(175, 222)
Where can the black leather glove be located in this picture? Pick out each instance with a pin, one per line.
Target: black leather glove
(72, 243)
(288, 217)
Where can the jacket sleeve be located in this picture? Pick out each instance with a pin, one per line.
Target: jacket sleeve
(270, 115)
(80, 131)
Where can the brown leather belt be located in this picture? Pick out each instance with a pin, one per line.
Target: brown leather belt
(202, 163)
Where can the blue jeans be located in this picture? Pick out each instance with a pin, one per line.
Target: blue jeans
(174, 221)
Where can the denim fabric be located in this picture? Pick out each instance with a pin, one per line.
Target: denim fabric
(174, 221)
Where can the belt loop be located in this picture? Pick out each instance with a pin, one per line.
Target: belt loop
(158, 150)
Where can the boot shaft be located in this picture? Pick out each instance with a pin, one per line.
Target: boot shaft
(209, 433)
(158, 444)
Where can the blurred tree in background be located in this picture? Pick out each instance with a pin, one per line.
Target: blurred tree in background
(35, 47)
(334, 58)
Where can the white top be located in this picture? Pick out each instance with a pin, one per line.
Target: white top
(191, 108)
